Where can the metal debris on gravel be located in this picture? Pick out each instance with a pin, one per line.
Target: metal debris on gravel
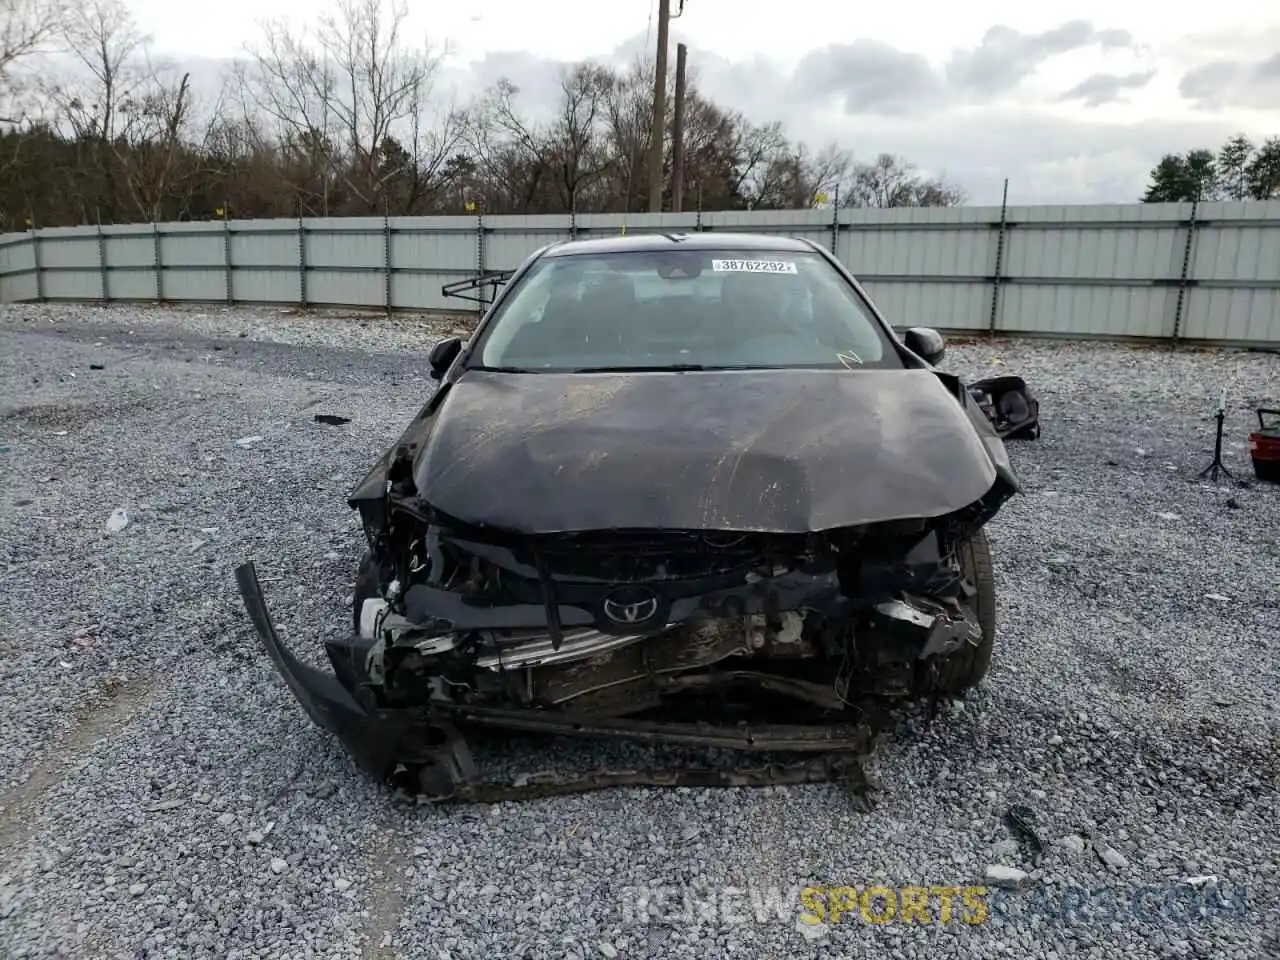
(162, 794)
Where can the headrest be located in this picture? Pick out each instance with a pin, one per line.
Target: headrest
(610, 289)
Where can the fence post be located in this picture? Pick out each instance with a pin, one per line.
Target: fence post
(157, 260)
(229, 289)
(386, 256)
(302, 261)
(1001, 229)
(37, 264)
(1184, 277)
(479, 253)
(835, 223)
(102, 266)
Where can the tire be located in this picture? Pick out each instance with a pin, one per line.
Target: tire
(366, 587)
(968, 666)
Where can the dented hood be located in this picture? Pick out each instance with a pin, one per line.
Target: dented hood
(784, 451)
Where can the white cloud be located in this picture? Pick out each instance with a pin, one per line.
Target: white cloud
(1071, 106)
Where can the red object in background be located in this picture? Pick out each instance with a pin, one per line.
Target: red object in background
(1264, 446)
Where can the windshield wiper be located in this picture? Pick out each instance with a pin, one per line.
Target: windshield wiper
(648, 368)
(503, 369)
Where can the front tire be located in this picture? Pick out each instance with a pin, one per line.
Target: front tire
(366, 588)
(967, 667)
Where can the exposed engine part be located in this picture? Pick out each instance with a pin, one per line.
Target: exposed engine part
(676, 650)
(435, 557)
(946, 626)
(371, 612)
(389, 629)
(379, 622)
(535, 648)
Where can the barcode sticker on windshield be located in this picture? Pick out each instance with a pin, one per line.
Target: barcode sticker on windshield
(753, 266)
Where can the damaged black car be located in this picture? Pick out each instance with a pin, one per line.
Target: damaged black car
(681, 488)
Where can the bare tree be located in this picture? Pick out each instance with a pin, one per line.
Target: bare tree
(891, 181)
(629, 118)
(710, 144)
(348, 91)
(292, 89)
(109, 80)
(513, 153)
(27, 28)
(829, 172)
(939, 193)
(758, 150)
(577, 138)
(340, 118)
(434, 136)
(794, 177)
(149, 143)
(107, 44)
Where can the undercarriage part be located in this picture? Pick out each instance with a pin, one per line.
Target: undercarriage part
(875, 600)
(839, 754)
(449, 762)
(718, 638)
(797, 738)
(844, 769)
(816, 694)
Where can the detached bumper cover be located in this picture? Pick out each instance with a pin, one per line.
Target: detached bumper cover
(376, 739)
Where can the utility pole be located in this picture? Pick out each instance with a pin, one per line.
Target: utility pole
(658, 126)
(677, 133)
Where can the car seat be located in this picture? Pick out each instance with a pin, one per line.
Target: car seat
(752, 305)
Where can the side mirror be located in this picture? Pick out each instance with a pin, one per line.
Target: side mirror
(442, 356)
(926, 343)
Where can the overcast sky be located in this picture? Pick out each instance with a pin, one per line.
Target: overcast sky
(1073, 103)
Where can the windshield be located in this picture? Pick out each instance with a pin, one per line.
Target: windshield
(683, 309)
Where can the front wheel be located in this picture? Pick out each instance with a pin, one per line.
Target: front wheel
(969, 665)
(367, 587)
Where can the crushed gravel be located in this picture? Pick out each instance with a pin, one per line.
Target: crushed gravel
(162, 795)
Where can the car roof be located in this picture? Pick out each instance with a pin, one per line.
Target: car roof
(708, 240)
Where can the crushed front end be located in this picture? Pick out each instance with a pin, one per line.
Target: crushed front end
(783, 638)
(618, 623)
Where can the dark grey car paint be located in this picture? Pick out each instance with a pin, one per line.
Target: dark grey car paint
(783, 451)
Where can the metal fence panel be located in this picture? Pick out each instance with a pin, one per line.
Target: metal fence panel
(947, 306)
(1070, 310)
(19, 279)
(1204, 272)
(1239, 316)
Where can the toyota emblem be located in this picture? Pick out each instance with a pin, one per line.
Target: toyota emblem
(631, 605)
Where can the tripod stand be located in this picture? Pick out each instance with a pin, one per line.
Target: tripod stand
(1217, 467)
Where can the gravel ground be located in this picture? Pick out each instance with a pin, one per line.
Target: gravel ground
(162, 795)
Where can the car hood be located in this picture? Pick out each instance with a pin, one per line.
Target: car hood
(785, 451)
